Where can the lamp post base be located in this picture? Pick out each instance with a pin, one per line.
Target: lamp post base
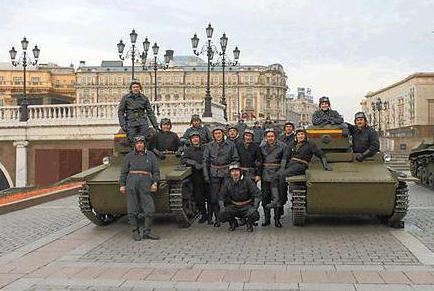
(207, 112)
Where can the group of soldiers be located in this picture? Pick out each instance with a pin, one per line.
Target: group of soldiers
(228, 163)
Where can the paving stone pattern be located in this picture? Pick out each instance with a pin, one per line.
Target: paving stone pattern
(26, 226)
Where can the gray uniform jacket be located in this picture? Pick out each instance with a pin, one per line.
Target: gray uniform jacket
(140, 161)
(365, 140)
(217, 155)
(243, 190)
(330, 116)
(134, 110)
(274, 158)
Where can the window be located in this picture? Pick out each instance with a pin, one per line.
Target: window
(18, 80)
(2, 80)
(120, 81)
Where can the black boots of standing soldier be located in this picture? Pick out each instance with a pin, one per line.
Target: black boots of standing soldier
(143, 224)
(278, 211)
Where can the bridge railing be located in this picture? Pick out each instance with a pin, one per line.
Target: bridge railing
(177, 111)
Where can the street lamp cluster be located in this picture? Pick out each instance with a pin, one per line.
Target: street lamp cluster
(131, 53)
(379, 106)
(24, 61)
(210, 49)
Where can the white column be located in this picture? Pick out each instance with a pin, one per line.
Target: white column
(21, 163)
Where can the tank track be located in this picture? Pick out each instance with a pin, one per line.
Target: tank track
(298, 199)
(401, 206)
(419, 169)
(181, 202)
(88, 211)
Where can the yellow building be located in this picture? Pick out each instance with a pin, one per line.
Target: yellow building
(45, 84)
(406, 115)
(302, 107)
(254, 92)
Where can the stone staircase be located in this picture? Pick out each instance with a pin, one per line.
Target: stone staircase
(399, 161)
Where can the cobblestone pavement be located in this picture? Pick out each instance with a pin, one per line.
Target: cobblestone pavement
(22, 227)
(60, 250)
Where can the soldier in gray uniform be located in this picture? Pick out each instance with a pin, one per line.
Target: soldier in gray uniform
(274, 157)
(139, 177)
(234, 134)
(365, 138)
(217, 157)
(196, 125)
(239, 198)
(134, 111)
(325, 115)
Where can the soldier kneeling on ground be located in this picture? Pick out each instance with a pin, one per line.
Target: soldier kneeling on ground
(239, 198)
(140, 175)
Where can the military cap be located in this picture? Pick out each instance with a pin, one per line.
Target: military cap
(195, 117)
(300, 129)
(166, 121)
(218, 127)
(135, 82)
(324, 99)
(139, 138)
(249, 131)
(194, 133)
(289, 123)
(267, 130)
(360, 115)
(232, 126)
(234, 166)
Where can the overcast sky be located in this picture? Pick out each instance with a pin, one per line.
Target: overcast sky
(341, 48)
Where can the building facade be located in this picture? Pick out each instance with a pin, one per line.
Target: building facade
(301, 107)
(45, 84)
(407, 112)
(252, 92)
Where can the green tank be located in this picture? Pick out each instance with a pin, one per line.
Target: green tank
(352, 188)
(422, 163)
(102, 203)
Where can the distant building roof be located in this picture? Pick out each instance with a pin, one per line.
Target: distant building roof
(412, 76)
(106, 64)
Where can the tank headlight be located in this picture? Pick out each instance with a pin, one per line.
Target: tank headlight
(106, 160)
(387, 157)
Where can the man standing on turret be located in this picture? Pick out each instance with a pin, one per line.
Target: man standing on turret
(134, 111)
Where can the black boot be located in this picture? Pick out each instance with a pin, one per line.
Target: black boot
(267, 217)
(202, 219)
(136, 234)
(277, 222)
(217, 223)
(148, 235)
(233, 224)
(249, 226)
(243, 221)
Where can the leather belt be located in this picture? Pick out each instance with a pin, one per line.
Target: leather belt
(144, 173)
(300, 161)
(271, 165)
(247, 169)
(242, 203)
(219, 166)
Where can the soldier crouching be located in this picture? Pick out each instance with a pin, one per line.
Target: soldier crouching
(239, 198)
(139, 177)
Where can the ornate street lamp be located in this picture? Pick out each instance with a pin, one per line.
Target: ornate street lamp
(25, 61)
(210, 49)
(225, 62)
(379, 106)
(156, 65)
(131, 53)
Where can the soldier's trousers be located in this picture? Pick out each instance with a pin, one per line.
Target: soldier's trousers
(134, 131)
(200, 191)
(231, 212)
(216, 184)
(269, 194)
(140, 203)
(293, 169)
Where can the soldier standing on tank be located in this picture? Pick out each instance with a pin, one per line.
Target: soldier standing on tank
(193, 157)
(274, 157)
(165, 140)
(217, 157)
(139, 177)
(365, 138)
(196, 125)
(134, 111)
(239, 198)
(325, 115)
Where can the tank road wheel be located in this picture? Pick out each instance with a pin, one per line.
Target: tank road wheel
(181, 202)
(401, 206)
(298, 199)
(424, 176)
(431, 179)
(413, 168)
(88, 211)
